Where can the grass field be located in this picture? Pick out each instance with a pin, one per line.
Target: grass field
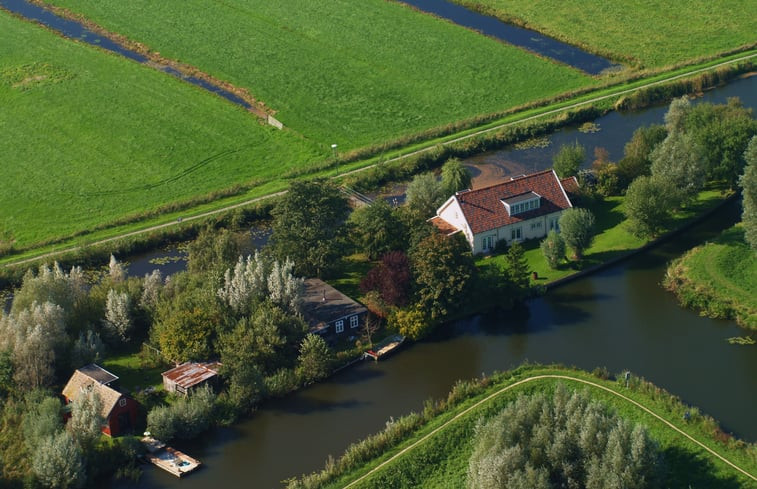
(651, 33)
(88, 137)
(719, 278)
(336, 71)
(441, 460)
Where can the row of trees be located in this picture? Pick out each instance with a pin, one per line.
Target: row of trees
(564, 440)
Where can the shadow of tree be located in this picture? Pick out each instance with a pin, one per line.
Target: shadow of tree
(686, 469)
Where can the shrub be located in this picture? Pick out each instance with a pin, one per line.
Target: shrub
(553, 248)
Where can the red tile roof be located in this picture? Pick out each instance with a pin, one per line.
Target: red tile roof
(484, 210)
(570, 185)
(443, 226)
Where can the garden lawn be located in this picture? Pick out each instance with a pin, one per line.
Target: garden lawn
(442, 460)
(651, 33)
(89, 137)
(613, 239)
(133, 375)
(340, 71)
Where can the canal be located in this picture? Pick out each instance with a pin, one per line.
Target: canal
(619, 318)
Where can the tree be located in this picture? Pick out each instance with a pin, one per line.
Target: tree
(377, 229)
(647, 206)
(390, 278)
(185, 418)
(444, 270)
(424, 195)
(117, 323)
(675, 117)
(679, 161)
(577, 229)
(748, 183)
(42, 420)
(307, 227)
(553, 249)
(561, 440)
(315, 359)
(410, 322)
(88, 348)
(151, 287)
(86, 420)
(53, 285)
(36, 337)
(722, 132)
(58, 462)
(636, 153)
(212, 251)
(569, 159)
(116, 271)
(455, 177)
(517, 267)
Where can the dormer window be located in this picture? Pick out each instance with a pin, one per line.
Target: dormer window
(518, 204)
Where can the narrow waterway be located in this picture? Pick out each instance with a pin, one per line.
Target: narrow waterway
(517, 36)
(75, 30)
(619, 318)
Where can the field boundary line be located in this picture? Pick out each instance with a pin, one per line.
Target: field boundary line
(396, 158)
(531, 379)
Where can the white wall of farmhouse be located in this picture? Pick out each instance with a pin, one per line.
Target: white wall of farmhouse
(451, 212)
(530, 229)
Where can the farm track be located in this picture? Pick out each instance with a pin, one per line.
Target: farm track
(540, 377)
(223, 209)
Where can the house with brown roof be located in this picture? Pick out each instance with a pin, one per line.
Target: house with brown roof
(118, 409)
(188, 375)
(524, 207)
(330, 313)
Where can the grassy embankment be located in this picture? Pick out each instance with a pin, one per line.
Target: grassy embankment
(663, 32)
(718, 278)
(613, 238)
(441, 460)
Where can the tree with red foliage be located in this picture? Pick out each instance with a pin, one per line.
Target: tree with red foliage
(390, 278)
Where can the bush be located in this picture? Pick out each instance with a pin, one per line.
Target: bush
(553, 248)
(184, 419)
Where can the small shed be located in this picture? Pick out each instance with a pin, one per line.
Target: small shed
(330, 313)
(118, 409)
(189, 375)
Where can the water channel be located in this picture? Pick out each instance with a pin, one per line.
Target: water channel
(518, 36)
(75, 30)
(619, 318)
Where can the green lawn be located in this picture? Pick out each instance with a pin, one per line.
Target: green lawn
(441, 460)
(337, 71)
(653, 33)
(133, 375)
(719, 278)
(613, 238)
(88, 138)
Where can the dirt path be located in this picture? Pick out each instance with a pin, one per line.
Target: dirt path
(398, 158)
(531, 379)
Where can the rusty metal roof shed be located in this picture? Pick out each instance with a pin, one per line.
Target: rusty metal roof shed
(189, 374)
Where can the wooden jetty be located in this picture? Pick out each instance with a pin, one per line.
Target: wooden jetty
(385, 347)
(169, 459)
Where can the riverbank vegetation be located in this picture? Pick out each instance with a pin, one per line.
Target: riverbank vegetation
(435, 445)
(719, 279)
(663, 33)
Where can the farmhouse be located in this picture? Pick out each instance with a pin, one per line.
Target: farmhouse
(330, 313)
(520, 208)
(118, 410)
(189, 375)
